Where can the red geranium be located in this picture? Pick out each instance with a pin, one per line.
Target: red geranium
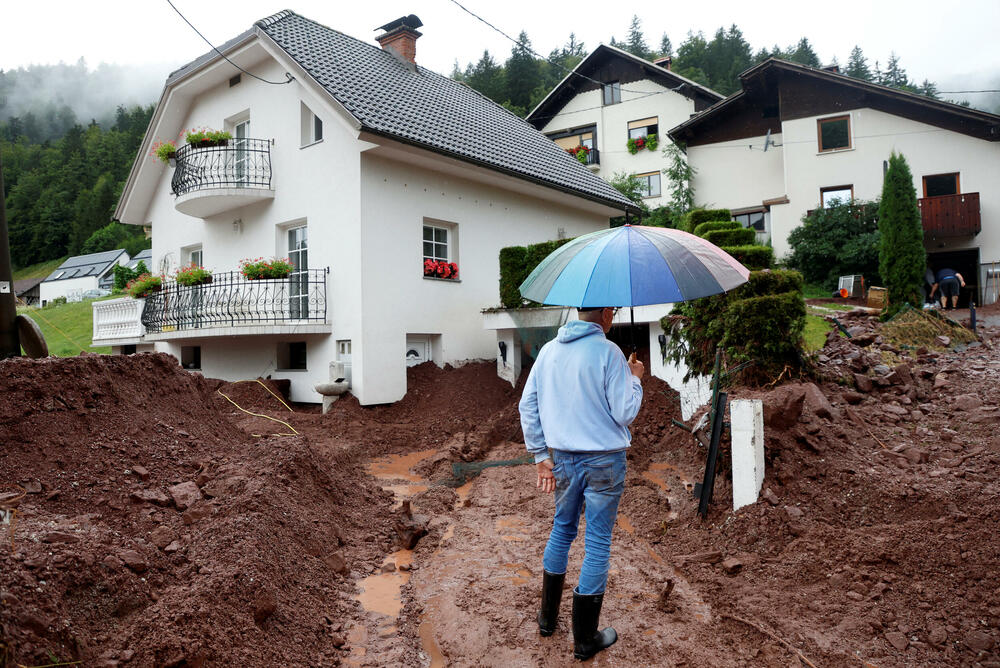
(440, 269)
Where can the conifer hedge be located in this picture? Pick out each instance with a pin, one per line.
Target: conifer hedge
(696, 217)
(516, 263)
(743, 236)
(716, 225)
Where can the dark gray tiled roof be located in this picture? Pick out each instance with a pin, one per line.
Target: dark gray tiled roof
(143, 255)
(80, 266)
(421, 107)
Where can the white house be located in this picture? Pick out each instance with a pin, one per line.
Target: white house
(830, 136)
(358, 165)
(81, 273)
(613, 96)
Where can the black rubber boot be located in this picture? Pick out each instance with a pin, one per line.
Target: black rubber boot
(587, 640)
(548, 616)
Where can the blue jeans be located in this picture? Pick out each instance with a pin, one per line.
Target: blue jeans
(598, 479)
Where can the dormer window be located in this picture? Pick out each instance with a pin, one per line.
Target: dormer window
(612, 92)
(312, 126)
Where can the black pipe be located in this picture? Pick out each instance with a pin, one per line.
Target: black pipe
(10, 344)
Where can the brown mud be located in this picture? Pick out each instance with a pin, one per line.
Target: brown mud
(156, 530)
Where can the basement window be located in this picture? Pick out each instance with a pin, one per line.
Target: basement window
(191, 357)
(938, 185)
(834, 133)
(292, 356)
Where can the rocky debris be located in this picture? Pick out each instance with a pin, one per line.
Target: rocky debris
(663, 601)
(185, 494)
(162, 536)
(979, 641)
(853, 398)
(264, 607)
(967, 402)
(337, 563)
(709, 557)
(818, 404)
(154, 496)
(732, 565)
(783, 406)
(134, 560)
(60, 537)
(198, 512)
(942, 341)
(793, 512)
(937, 635)
(897, 640)
(863, 383)
(769, 496)
(140, 471)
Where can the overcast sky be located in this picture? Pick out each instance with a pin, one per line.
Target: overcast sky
(953, 43)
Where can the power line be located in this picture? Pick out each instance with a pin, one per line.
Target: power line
(987, 90)
(276, 83)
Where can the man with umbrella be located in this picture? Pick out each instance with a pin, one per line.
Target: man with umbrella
(578, 401)
(582, 395)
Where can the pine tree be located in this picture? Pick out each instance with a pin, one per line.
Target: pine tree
(523, 75)
(487, 77)
(902, 258)
(666, 47)
(857, 65)
(635, 43)
(803, 53)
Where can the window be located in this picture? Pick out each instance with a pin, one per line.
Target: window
(612, 92)
(649, 184)
(298, 280)
(752, 219)
(194, 256)
(842, 194)
(435, 243)
(572, 139)
(312, 126)
(941, 184)
(191, 357)
(643, 127)
(292, 355)
(834, 133)
(241, 158)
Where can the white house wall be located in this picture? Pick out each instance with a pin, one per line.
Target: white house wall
(398, 300)
(875, 135)
(68, 287)
(317, 185)
(612, 121)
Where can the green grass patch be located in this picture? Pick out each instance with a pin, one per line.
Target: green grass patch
(40, 270)
(815, 291)
(67, 327)
(814, 333)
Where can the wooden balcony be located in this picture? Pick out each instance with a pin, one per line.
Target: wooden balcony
(951, 215)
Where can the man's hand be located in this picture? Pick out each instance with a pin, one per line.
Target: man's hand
(546, 481)
(636, 367)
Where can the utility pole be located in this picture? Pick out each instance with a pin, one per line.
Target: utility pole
(10, 344)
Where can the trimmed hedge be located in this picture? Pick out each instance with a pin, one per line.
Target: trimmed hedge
(698, 216)
(516, 262)
(743, 236)
(752, 257)
(716, 225)
(762, 320)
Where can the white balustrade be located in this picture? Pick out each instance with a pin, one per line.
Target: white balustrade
(118, 319)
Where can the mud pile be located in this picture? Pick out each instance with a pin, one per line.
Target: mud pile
(153, 531)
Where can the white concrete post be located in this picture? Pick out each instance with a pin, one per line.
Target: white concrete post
(511, 369)
(747, 427)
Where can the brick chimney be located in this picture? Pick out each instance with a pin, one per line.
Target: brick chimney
(400, 38)
(664, 62)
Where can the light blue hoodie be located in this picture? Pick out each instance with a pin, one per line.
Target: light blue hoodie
(580, 396)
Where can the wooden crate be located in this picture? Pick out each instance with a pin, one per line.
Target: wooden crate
(878, 298)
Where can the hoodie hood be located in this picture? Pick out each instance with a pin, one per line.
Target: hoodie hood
(577, 329)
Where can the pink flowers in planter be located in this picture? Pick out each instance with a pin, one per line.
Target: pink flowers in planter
(440, 269)
(260, 268)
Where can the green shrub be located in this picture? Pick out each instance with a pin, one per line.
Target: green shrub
(513, 261)
(752, 257)
(761, 320)
(696, 217)
(516, 263)
(743, 236)
(144, 285)
(840, 239)
(716, 225)
(56, 302)
(902, 257)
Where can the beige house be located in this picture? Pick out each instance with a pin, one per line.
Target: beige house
(796, 137)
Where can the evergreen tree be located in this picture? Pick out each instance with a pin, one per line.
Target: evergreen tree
(803, 53)
(666, 48)
(902, 258)
(523, 75)
(857, 65)
(635, 42)
(487, 77)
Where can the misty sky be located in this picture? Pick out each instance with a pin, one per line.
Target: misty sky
(953, 44)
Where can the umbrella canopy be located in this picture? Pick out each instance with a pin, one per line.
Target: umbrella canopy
(633, 265)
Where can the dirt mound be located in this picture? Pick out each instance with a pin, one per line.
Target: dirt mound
(155, 532)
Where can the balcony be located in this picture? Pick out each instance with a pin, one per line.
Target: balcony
(948, 216)
(213, 179)
(230, 305)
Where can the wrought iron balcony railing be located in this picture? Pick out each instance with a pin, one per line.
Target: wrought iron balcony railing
(231, 300)
(241, 163)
